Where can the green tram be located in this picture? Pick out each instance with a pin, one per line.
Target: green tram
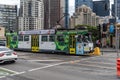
(77, 42)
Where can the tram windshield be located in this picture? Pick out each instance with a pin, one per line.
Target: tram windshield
(79, 38)
(86, 38)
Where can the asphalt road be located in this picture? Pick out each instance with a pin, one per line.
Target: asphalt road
(32, 66)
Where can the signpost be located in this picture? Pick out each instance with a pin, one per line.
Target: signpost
(117, 48)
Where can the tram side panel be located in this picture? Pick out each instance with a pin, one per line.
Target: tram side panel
(24, 42)
(47, 43)
(62, 43)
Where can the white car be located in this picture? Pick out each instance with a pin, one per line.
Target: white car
(7, 54)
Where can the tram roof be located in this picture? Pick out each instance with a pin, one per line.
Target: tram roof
(72, 32)
(49, 31)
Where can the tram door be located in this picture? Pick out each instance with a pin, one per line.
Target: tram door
(35, 43)
(8, 41)
(72, 44)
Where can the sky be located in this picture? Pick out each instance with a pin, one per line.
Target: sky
(16, 2)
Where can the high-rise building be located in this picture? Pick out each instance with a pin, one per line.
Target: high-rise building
(117, 8)
(88, 3)
(55, 11)
(31, 15)
(84, 16)
(113, 10)
(101, 8)
(8, 17)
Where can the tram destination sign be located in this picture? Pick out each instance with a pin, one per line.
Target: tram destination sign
(49, 31)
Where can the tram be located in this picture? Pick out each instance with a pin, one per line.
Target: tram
(70, 41)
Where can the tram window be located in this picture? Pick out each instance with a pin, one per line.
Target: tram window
(79, 38)
(44, 38)
(60, 38)
(14, 38)
(20, 38)
(51, 38)
(85, 39)
(26, 38)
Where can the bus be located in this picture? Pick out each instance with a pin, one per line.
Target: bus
(69, 41)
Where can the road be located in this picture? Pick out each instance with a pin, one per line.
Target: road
(36, 66)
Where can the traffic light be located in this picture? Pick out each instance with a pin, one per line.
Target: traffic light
(104, 27)
(99, 31)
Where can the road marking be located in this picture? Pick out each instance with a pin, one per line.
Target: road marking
(47, 66)
(8, 70)
(45, 60)
(98, 62)
(97, 66)
(2, 76)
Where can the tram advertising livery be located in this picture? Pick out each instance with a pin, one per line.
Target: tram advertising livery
(70, 41)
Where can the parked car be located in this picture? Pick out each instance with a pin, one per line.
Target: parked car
(2, 42)
(7, 54)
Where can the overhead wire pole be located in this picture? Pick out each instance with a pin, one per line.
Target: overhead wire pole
(116, 33)
(49, 22)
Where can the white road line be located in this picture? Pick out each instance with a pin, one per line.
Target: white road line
(46, 60)
(8, 70)
(18, 73)
(97, 66)
(47, 66)
(98, 62)
(2, 76)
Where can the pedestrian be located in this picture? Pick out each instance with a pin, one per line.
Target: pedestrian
(98, 43)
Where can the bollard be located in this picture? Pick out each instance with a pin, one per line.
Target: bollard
(118, 67)
(97, 51)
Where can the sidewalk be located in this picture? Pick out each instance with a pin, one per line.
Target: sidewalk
(108, 49)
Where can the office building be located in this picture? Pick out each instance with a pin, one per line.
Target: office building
(88, 3)
(8, 15)
(117, 8)
(31, 15)
(101, 8)
(56, 11)
(84, 16)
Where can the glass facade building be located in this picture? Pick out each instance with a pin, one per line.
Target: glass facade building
(31, 15)
(117, 8)
(88, 3)
(101, 8)
(8, 17)
(56, 10)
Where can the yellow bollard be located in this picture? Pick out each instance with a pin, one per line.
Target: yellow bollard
(97, 51)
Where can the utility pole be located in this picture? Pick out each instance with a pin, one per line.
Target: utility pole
(117, 29)
(66, 14)
(49, 22)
